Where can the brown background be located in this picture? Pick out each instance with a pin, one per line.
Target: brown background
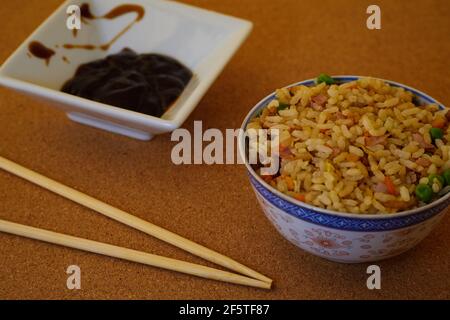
(291, 41)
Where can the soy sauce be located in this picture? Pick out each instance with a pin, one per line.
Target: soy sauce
(145, 83)
(40, 51)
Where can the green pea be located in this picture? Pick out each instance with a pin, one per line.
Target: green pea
(424, 192)
(283, 106)
(324, 78)
(436, 133)
(446, 175)
(435, 177)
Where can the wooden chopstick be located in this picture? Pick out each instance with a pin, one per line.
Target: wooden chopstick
(128, 219)
(128, 254)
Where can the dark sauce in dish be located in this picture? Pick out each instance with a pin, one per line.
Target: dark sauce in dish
(40, 51)
(145, 83)
(85, 11)
(118, 11)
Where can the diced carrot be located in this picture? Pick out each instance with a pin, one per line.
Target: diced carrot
(352, 157)
(267, 178)
(285, 152)
(289, 182)
(390, 185)
(439, 122)
(300, 197)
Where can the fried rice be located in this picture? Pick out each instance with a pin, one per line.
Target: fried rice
(359, 147)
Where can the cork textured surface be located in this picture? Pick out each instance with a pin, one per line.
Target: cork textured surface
(213, 205)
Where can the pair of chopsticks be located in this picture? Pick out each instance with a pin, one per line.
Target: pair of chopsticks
(248, 276)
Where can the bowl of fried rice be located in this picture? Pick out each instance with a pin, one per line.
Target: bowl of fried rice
(349, 168)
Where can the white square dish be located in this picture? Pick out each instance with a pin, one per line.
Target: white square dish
(202, 40)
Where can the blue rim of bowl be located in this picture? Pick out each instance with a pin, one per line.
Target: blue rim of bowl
(336, 219)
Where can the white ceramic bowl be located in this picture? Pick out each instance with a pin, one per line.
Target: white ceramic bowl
(202, 40)
(337, 236)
